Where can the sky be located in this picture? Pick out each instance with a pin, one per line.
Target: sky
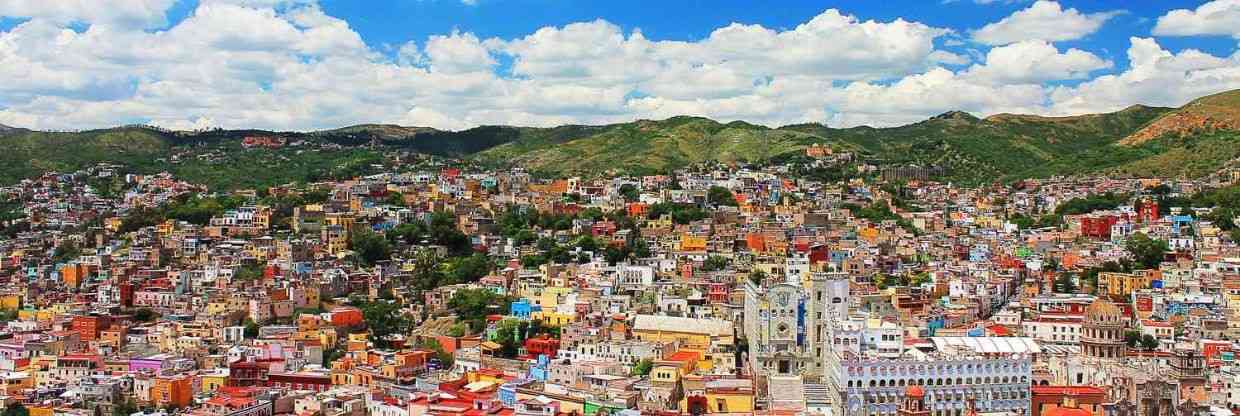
(456, 64)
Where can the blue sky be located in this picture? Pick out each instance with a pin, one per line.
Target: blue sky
(303, 64)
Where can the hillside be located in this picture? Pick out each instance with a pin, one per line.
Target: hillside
(1192, 140)
(1212, 113)
(645, 146)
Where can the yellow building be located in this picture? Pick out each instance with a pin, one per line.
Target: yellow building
(214, 380)
(10, 301)
(41, 410)
(1123, 284)
(553, 318)
(691, 333)
(734, 396)
(16, 381)
(692, 243)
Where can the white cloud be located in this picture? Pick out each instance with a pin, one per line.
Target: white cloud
(288, 65)
(129, 13)
(1035, 61)
(458, 53)
(1157, 77)
(1044, 20)
(1218, 17)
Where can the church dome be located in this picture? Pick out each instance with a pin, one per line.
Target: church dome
(1103, 310)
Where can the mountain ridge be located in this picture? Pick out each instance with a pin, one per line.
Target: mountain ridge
(970, 149)
(1213, 112)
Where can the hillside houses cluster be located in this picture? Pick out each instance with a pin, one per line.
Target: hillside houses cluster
(707, 291)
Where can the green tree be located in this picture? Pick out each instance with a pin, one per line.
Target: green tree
(426, 272)
(331, 355)
(251, 328)
(144, 315)
(369, 246)
(384, 319)
(719, 195)
(643, 367)
(756, 276)
(1146, 251)
(919, 279)
(473, 305)
(1132, 338)
(1149, 343)
(16, 409)
(125, 408)
(66, 251)
(431, 344)
(1065, 283)
(715, 263)
(395, 198)
(470, 268)
(629, 192)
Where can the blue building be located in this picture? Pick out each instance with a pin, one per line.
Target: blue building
(523, 309)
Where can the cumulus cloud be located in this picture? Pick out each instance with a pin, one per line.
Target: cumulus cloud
(1157, 77)
(1035, 61)
(129, 13)
(281, 64)
(1043, 20)
(1218, 17)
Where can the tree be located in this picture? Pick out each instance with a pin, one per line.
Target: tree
(719, 195)
(370, 247)
(629, 192)
(643, 367)
(384, 319)
(1146, 251)
(470, 268)
(715, 263)
(473, 305)
(144, 315)
(1065, 283)
(428, 343)
(1149, 343)
(426, 272)
(251, 328)
(395, 198)
(125, 408)
(756, 277)
(16, 409)
(919, 279)
(1132, 338)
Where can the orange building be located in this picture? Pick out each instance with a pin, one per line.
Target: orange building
(346, 317)
(89, 327)
(175, 391)
(73, 274)
(638, 210)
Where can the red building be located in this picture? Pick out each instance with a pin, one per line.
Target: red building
(1098, 226)
(603, 228)
(347, 317)
(1047, 400)
(1147, 210)
(248, 373)
(300, 381)
(126, 294)
(542, 345)
(90, 326)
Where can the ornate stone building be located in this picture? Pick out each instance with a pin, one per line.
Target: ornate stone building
(1102, 332)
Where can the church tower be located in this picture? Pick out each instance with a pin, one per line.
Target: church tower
(914, 402)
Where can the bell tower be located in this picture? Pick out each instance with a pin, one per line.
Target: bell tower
(914, 402)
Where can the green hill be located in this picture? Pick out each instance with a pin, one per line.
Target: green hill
(1193, 140)
(645, 146)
